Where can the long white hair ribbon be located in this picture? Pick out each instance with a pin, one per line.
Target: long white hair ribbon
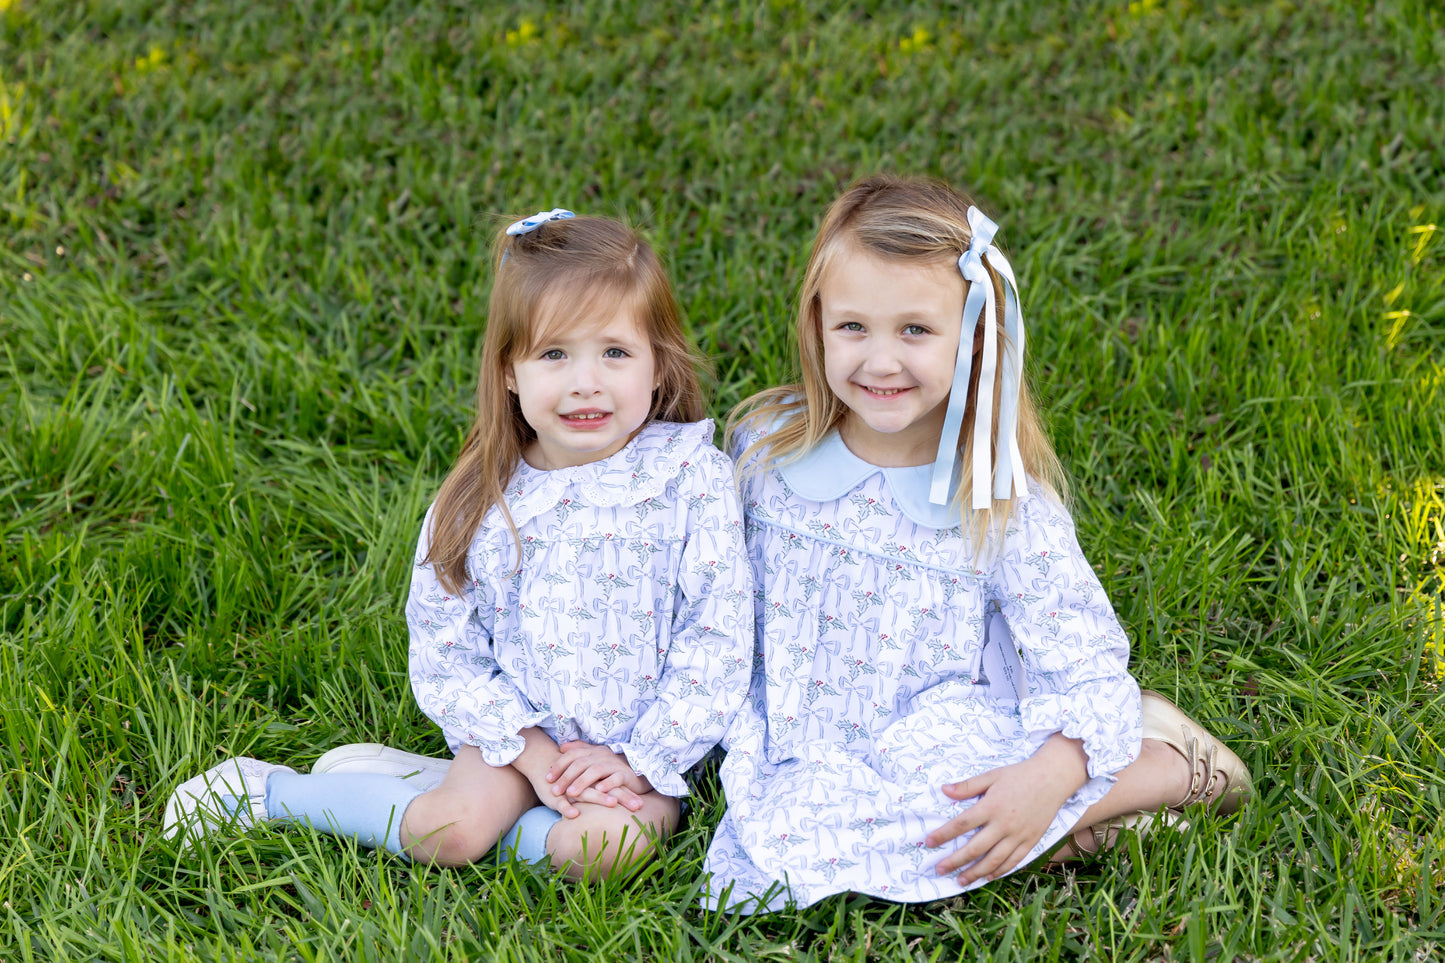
(980, 297)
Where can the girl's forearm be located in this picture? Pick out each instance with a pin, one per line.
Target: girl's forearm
(1066, 760)
(537, 756)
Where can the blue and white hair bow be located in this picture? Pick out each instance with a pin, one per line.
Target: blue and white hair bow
(529, 224)
(1010, 469)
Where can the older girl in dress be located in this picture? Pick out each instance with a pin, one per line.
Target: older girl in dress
(940, 691)
(579, 609)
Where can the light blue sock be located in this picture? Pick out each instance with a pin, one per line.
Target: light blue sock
(527, 839)
(362, 806)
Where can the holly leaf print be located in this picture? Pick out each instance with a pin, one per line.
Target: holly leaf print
(817, 688)
(610, 582)
(832, 866)
(869, 825)
(865, 599)
(1043, 559)
(867, 507)
(612, 718)
(581, 613)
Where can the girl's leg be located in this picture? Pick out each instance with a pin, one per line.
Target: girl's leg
(1180, 763)
(461, 820)
(363, 807)
(604, 840)
(239, 793)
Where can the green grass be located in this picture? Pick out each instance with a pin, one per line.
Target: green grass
(242, 280)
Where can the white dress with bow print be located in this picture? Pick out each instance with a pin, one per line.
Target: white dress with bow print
(627, 624)
(870, 687)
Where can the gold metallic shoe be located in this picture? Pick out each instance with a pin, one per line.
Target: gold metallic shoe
(1220, 778)
(1106, 835)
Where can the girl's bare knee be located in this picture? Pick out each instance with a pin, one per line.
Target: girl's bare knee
(438, 830)
(605, 840)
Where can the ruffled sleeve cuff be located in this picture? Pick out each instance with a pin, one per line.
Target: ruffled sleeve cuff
(496, 736)
(658, 766)
(1109, 724)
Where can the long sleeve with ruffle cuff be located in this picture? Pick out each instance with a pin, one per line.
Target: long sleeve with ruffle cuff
(662, 769)
(709, 660)
(494, 718)
(454, 675)
(1075, 653)
(1098, 716)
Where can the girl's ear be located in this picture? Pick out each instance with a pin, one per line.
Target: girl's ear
(509, 375)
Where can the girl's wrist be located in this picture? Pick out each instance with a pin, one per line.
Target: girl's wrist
(537, 756)
(1062, 765)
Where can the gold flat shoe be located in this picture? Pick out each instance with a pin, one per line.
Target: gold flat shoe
(1220, 778)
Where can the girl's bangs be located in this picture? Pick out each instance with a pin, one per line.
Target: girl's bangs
(592, 301)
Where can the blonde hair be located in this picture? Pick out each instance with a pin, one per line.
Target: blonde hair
(905, 220)
(563, 271)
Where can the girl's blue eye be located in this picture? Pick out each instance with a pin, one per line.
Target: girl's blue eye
(554, 354)
(614, 353)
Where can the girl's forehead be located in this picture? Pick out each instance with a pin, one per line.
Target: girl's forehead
(855, 274)
(583, 312)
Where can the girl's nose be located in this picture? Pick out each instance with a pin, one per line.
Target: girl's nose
(585, 380)
(881, 359)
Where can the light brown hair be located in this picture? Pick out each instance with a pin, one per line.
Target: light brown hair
(909, 221)
(564, 272)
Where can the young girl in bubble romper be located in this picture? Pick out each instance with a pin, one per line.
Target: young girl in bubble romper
(940, 691)
(580, 606)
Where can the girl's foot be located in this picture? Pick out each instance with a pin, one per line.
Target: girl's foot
(423, 772)
(229, 796)
(1218, 778)
(1105, 835)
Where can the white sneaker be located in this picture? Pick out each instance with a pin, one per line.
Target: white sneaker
(424, 772)
(229, 796)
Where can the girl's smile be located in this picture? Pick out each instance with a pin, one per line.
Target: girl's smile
(890, 333)
(587, 420)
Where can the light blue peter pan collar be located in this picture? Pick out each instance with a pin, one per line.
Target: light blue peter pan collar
(829, 471)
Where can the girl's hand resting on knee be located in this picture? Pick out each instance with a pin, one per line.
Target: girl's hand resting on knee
(585, 772)
(1015, 806)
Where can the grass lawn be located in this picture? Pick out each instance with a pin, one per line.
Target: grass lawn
(242, 282)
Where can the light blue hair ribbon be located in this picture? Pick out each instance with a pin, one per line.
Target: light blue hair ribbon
(1010, 469)
(529, 224)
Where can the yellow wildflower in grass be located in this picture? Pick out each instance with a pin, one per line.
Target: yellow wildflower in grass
(1425, 529)
(7, 5)
(1141, 7)
(921, 40)
(10, 97)
(154, 60)
(525, 34)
